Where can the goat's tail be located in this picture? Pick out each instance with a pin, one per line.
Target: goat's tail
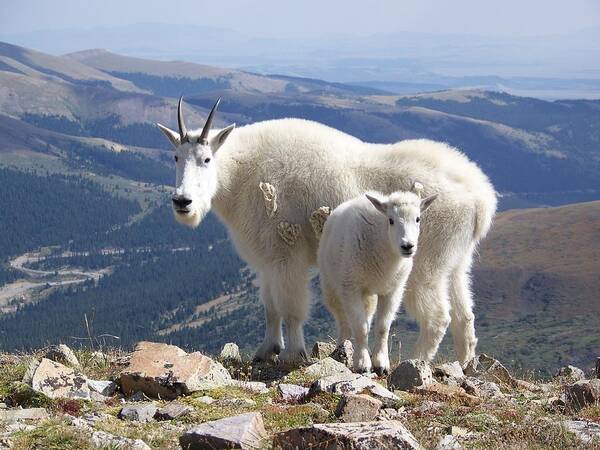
(486, 202)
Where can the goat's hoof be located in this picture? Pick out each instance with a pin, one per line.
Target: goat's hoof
(381, 371)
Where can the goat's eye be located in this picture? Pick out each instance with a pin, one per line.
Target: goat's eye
(176, 158)
(207, 160)
(418, 219)
(391, 221)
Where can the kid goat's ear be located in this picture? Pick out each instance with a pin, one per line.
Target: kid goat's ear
(427, 201)
(377, 203)
(220, 138)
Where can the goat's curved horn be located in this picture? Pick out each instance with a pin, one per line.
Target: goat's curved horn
(204, 135)
(182, 128)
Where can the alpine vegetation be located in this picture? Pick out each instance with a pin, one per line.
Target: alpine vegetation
(266, 180)
(365, 257)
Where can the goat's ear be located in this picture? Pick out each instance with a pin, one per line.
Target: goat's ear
(173, 136)
(427, 201)
(220, 138)
(381, 207)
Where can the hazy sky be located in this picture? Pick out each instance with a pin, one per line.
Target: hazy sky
(312, 18)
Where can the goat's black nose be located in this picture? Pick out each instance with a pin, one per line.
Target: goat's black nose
(407, 247)
(181, 202)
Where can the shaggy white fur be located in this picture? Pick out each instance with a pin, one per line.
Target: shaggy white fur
(365, 257)
(311, 165)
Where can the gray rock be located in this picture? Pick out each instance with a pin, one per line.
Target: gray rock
(57, 381)
(138, 396)
(62, 354)
(292, 392)
(570, 373)
(326, 367)
(351, 383)
(166, 371)
(101, 439)
(31, 368)
(344, 353)
(409, 374)
(358, 408)
(172, 411)
(103, 387)
(588, 432)
(449, 373)
(489, 369)
(14, 415)
(257, 387)
(205, 399)
(245, 431)
(322, 350)
(359, 436)
(140, 412)
(391, 414)
(582, 393)
(230, 354)
(487, 390)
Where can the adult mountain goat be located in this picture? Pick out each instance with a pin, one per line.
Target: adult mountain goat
(269, 181)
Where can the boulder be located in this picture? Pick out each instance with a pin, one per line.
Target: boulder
(358, 408)
(103, 387)
(570, 373)
(326, 367)
(449, 373)
(322, 350)
(166, 371)
(102, 439)
(410, 374)
(588, 432)
(62, 354)
(57, 381)
(172, 411)
(344, 353)
(230, 354)
(292, 392)
(351, 383)
(489, 369)
(139, 412)
(14, 415)
(359, 436)
(245, 431)
(582, 393)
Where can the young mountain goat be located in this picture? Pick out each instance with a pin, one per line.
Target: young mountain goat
(268, 180)
(365, 257)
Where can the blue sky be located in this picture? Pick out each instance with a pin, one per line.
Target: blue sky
(312, 18)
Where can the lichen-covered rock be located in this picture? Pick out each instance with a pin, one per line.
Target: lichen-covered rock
(62, 354)
(489, 369)
(410, 374)
(55, 380)
(344, 353)
(245, 431)
(292, 392)
(173, 410)
(139, 412)
(166, 371)
(322, 350)
(570, 373)
(582, 393)
(359, 436)
(588, 432)
(326, 367)
(230, 354)
(102, 439)
(358, 408)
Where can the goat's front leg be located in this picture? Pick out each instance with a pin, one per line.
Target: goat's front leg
(387, 307)
(273, 342)
(356, 313)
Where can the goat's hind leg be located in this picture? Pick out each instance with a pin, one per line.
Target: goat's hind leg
(336, 309)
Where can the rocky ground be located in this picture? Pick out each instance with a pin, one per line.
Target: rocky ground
(162, 397)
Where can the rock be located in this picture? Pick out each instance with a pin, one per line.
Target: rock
(487, 390)
(292, 392)
(245, 431)
(351, 383)
(14, 415)
(140, 412)
(458, 431)
(138, 396)
(62, 354)
(236, 402)
(449, 373)
(205, 399)
(570, 373)
(322, 350)
(257, 387)
(409, 374)
(172, 411)
(558, 403)
(166, 371)
(230, 354)
(391, 414)
(586, 431)
(344, 353)
(358, 408)
(103, 387)
(427, 407)
(31, 368)
(359, 436)
(326, 367)
(582, 393)
(101, 439)
(489, 369)
(446, 393)
(57, 381)
(448, 442)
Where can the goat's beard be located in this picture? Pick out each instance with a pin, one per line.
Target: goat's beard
(200, 209)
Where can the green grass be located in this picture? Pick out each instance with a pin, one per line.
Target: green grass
(55, 434)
